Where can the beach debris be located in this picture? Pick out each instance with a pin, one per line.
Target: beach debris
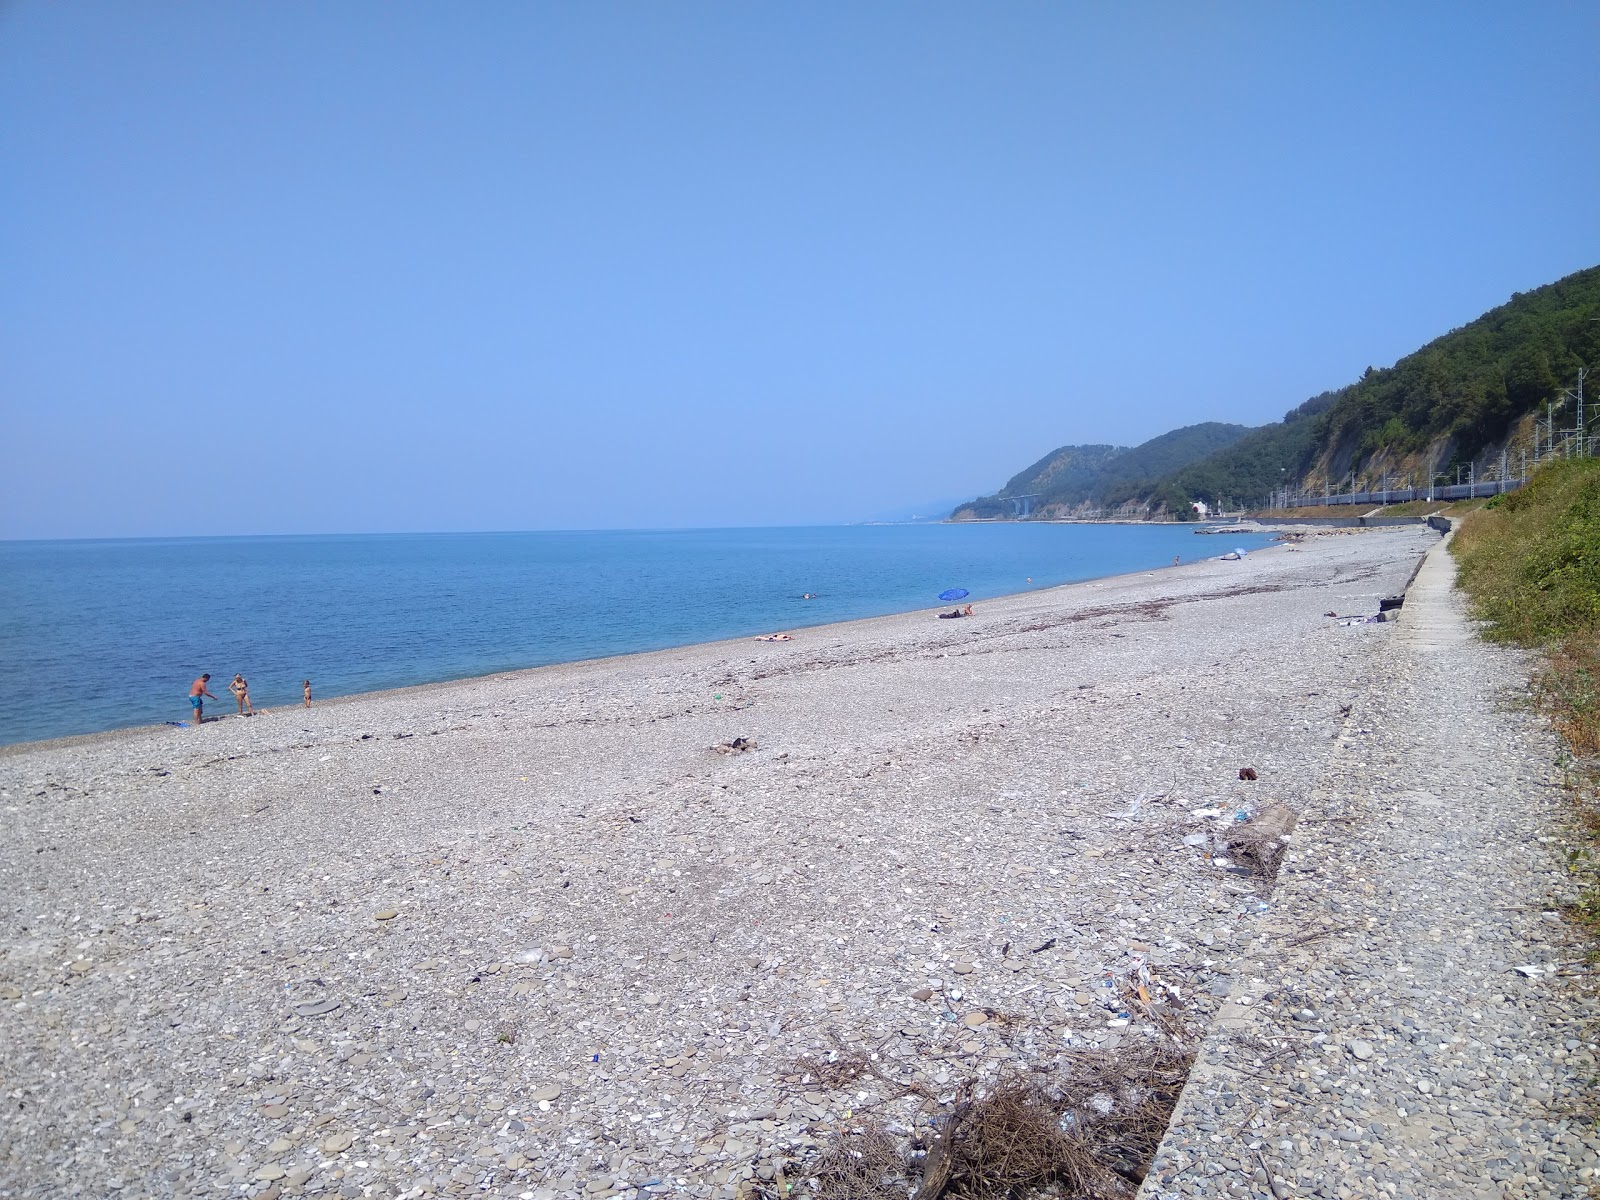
(739, 745)
(1529, 971)
(1259, 842)
(1088, 1130)
(863, 1164)
(1133, 808)
(1390, 603)
(1248, 774)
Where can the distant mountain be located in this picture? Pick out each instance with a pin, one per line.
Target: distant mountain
(931, 510)
(1078, 477)
(1465, 398)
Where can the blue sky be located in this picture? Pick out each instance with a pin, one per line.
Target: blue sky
(304, 267)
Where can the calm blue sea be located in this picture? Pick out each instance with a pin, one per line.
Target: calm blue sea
(100, 634)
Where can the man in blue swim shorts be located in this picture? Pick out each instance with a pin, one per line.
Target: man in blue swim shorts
(197, 693)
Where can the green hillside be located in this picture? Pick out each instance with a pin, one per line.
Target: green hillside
(1456, 400)
(1078, 475)
(1067, 470)
(1460, 399)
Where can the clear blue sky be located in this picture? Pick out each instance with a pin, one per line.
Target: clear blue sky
(376, 266)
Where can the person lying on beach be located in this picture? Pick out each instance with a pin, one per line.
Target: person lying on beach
(241, 692)
(775, 637)
(307, 686)
(967, 611)
(197, 693)
(950, 616)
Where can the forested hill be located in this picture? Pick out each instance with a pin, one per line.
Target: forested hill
(1075, 476)
(1463, 398)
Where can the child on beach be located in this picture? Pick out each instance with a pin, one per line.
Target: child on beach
(307, 686)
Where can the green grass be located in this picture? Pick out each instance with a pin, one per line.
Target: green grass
(1530, 562)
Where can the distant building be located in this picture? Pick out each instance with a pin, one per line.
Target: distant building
(1200, 509)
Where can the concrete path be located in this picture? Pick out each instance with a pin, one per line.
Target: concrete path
(1412, 1018)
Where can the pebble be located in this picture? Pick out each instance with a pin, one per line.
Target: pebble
(577, 808)
(1430, 846)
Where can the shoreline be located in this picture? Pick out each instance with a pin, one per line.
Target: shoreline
(91, 737)
(570, 930)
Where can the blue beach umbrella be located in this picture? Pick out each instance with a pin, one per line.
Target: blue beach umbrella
(953, 594)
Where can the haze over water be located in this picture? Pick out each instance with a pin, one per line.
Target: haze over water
(97, 635)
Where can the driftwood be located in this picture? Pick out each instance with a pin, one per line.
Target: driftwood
(1260, 842)
(1089, 1132)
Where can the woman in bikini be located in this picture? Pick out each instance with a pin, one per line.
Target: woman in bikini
(241, 693)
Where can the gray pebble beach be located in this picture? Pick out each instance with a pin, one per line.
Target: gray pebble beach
(550, 934)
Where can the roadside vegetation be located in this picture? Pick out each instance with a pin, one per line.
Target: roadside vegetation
(1530, 561)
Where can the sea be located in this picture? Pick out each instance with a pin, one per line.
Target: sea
(98, 635)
